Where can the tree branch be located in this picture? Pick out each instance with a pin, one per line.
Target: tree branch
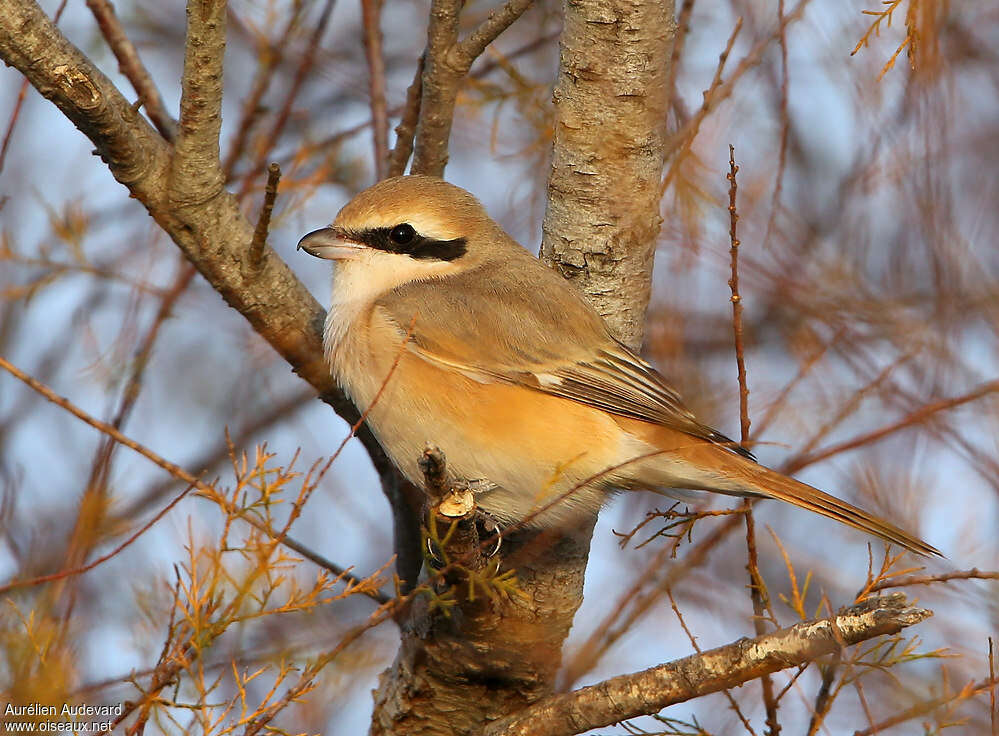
(406, 129)
(919, 416)
(497, 22)
(439, 90)
(212, 232)
(904, 581)
(371, 13)
(649, 691)
(132, 67)
(275, 302)
(196, 170)
(446, 62)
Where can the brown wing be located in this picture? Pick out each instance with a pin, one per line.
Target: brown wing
(545, 338)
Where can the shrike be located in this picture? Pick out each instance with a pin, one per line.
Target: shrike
(443, 329)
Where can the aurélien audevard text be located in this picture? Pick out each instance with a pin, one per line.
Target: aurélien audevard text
(64, 711)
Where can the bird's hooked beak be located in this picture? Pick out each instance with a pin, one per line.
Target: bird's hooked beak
(328, 243)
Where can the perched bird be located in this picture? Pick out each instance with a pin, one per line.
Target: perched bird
(443, 329)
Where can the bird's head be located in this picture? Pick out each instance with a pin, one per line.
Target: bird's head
(408, 228)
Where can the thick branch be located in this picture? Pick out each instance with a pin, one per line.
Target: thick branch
(649, 691)
(490, 655)
(196, 173)
(278, 306)
(611, 99)
(213, 233)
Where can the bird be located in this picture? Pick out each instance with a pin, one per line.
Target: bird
(443, 329)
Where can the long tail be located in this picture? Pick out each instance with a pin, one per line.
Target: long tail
(684, 461)
(769, 483)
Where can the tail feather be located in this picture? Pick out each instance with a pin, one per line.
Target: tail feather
(683, 461)
(772, 484)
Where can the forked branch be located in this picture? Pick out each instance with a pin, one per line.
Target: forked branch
(446, 63)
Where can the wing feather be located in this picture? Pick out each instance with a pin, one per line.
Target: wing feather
(567, 353)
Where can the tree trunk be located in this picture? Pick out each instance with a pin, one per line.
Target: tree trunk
(489, 658)
(603, 219)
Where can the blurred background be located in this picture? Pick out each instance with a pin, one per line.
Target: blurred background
(869, 272)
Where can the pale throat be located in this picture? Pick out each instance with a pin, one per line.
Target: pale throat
(360, 281)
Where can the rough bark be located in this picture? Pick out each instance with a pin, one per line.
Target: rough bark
(718, 669)
(611, 98)
(485, 658)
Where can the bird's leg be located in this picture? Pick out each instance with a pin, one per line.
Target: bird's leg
(490, 529)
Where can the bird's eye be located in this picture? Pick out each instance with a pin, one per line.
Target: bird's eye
(402, 234)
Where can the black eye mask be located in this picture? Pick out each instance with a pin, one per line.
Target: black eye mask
(403, 238)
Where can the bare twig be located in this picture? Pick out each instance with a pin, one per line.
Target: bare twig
(785, 125)
(12, 123)
(271, 57)
(683, 31)
(410, 111)
(761, 611)
(993, 713)
(213, 456)
(103, 558)
(174, 470)
(130, 394)
(919, 416)
(719, 90)
(264, 221)
(679, 525)
(406, 128)
(757, 588)
(693, 642)
(645, 692)
(434, 467)
(733, 282)
(22, 92)
(497, 22)
(920, 709)
(302, 72)
(848, 407)
(132, 67)
(371, 11)
(824, 696)
(682, 138)
(806, 367)
(632, 606)
(907, 580)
